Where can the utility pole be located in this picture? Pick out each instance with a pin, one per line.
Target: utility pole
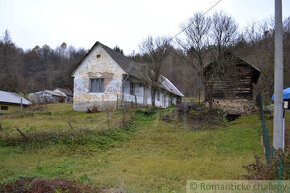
(278, 134)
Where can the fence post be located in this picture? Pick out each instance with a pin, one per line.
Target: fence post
(266, 139)
(71, 127)
(21, 106)
(22, 134)
(123, 119)
(131, 111)
(108, 119)
(135, 101)
(117, 101)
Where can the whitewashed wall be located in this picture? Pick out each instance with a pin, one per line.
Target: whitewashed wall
(93, 67)
(164, 99)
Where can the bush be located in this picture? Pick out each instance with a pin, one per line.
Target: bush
(200, 115)
(145, 111)
(166, 117)
(93, 110)
(102, 138)
(58, 185)
(262, 171)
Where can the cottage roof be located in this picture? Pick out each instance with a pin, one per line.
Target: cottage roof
(131, 67)
(65, 91)
(12, 98)
(50, 92)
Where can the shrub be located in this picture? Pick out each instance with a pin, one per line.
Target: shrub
(58, 185)
(93, 110)
(262, 171)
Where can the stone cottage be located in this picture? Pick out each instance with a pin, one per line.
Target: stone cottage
(105, 77)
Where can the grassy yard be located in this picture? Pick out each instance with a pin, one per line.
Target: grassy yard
(149, 155)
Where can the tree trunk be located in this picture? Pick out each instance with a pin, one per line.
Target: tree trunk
(199, 95)
(210, 99)
(153, 97)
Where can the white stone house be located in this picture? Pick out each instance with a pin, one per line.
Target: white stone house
(104, 78)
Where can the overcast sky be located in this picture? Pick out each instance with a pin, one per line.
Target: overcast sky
(114, 22)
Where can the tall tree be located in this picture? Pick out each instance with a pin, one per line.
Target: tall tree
(223, 37)
(195, 43)
(156, 50)
(118, 49)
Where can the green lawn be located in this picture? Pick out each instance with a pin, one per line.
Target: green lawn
(154, 156)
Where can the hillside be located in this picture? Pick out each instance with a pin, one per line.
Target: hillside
(149, 155)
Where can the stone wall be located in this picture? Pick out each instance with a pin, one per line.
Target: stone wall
(235, 106)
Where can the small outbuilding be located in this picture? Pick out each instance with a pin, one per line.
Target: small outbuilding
(11, 100)
(234, 92)
(67, 92)
(47, 96)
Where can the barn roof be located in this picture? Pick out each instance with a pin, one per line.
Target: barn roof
(12, 98)
(131, 67)
(238, 59)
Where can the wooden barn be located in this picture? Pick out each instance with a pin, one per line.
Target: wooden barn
(231, 87)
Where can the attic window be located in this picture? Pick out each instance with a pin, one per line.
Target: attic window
(98, 55)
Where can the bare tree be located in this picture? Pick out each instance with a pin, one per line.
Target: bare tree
(223, 37)
(195, 44)
(156, 50)
(260, 37)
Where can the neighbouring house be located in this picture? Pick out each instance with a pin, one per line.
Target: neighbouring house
(67, 92)
(233, 96)
(58, 95)
(104, 78)
(11, 100)
(47, 96)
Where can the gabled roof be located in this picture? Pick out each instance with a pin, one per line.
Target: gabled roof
(67, 92)
(51, 92)
(240, 60)
(128, 65)
(12, 98)
(131, 67)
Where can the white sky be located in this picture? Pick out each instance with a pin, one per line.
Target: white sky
(114, 22)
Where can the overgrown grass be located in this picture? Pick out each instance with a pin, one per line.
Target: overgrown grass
(149, 155)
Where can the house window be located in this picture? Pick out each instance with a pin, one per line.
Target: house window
(98, 55)
(4, 108)
(96, 85)
(132, 88)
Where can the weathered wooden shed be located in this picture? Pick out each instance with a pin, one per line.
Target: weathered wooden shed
(233, 90)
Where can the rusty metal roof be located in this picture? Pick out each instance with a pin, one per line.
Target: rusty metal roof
(12, 98)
